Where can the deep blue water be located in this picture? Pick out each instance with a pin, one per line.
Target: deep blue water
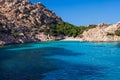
(60, 60)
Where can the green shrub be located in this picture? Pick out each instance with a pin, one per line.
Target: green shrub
(66, 29)
(117, 32)
(10, 0)
(15, 34)
(111, 34)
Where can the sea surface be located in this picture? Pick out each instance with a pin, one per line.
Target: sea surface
(60, 60)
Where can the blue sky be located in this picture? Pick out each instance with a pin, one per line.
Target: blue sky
(85, 12)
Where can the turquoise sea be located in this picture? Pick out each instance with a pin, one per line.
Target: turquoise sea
(60, 60)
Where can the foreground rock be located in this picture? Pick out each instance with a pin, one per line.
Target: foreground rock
(22, 21)
(102, 33)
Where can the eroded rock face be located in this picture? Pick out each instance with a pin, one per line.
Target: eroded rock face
(21, 21)
(100, 33)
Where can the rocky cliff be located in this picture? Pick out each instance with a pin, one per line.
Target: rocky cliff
(22, 21)
(103, 33)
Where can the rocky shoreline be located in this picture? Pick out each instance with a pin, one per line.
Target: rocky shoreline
(102, 33)
(97, 34)
(39, 38)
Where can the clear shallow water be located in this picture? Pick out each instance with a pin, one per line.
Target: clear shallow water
(61, 60)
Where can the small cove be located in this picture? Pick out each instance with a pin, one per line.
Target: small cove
(60, 60)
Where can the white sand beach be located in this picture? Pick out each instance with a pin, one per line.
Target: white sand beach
(71, 39)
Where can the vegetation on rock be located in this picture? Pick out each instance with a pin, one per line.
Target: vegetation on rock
(117, 32)
(110, 34)
(66, 29)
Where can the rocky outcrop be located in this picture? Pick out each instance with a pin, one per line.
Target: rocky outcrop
(101, 33)
(21, 21)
